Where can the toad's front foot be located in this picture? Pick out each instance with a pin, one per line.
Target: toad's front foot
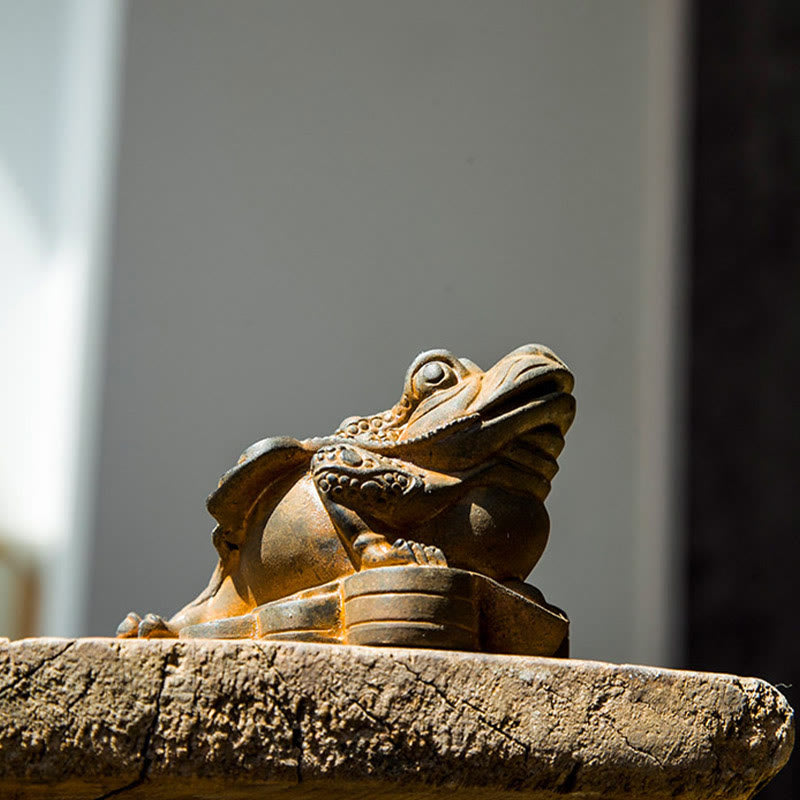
(150, 627)
(129, 627)
(383, 554)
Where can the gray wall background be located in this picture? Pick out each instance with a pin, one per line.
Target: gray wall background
(310, 193)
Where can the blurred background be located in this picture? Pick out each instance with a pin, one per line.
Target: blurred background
(221, 221)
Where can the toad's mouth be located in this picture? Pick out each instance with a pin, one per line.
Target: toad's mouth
(536, 388)
(534, 393)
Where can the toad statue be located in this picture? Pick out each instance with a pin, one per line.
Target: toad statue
(415, 527)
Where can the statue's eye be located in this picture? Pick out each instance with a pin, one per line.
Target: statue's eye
(433, 375)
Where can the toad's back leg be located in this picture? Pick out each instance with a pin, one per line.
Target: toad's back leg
(288, 544)
(223, 597)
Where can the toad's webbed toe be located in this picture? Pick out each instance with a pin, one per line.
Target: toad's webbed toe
(154, 627)
(129, 627)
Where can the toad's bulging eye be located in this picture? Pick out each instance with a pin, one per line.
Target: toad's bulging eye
(433, 372)
(433, 375)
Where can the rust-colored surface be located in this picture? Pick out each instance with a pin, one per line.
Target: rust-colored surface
(415, 526)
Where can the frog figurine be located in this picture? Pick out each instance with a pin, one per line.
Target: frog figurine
(438, 500)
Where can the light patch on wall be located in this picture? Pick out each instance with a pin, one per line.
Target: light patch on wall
(60, 66)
